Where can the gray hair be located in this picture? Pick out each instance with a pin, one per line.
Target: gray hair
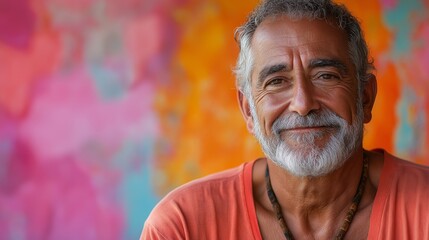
(327, 10)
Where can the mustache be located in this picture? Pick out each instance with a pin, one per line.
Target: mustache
(323, 118)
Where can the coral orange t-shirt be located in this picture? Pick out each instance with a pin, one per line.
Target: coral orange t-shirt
(401, 205)
(220, 206)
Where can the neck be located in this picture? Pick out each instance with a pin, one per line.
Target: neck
(314, 204)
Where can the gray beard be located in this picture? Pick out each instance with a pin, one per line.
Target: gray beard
(305, 158)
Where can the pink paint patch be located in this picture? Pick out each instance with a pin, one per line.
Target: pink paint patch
(388, 4)
(67, 115)
(146, 31)
(17, 23)
(57, 200)
(80, 5)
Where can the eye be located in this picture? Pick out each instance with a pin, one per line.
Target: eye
(275, 81)
(328, 76)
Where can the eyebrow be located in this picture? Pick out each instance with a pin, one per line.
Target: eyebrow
(271, 69)
(322, 62)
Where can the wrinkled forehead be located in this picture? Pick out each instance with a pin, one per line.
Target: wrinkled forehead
(297, 31)
(280, 36)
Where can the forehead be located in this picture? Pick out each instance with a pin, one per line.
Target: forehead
(280, 39)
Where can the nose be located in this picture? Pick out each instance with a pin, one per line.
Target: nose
(303, 99)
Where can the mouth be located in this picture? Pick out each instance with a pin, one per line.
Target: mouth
(308, 129)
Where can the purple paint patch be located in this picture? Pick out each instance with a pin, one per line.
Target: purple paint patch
(153, 42)
(388, 4)
(17, 23)
(421, 58)
(10, 171)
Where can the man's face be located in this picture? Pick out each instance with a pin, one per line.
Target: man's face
(304, 103)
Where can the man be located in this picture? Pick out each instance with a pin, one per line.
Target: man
(305, 89)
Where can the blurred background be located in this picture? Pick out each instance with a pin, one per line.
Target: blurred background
(106, 105)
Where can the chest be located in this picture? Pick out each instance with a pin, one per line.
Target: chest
(270, 228)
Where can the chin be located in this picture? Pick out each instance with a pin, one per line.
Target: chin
(310, 161)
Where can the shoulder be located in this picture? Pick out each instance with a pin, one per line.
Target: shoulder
(196, 191)
(211, 184)
(406, 171)
(202, 201)
(401, 179)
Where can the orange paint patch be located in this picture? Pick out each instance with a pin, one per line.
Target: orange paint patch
(204, 130)
(380, 132)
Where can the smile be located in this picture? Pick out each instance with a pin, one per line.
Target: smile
(309, 128)
(304, 130)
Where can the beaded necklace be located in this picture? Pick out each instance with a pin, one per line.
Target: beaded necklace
(347, 220)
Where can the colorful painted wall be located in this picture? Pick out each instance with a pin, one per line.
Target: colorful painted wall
(106, 105)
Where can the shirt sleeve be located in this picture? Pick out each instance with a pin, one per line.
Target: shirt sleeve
(151, 233)
(165, 222)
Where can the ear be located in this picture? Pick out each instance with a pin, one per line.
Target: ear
(368, 97)
(245, 110)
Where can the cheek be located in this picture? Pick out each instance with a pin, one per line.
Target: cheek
(342, 98)
(270, 107)
(343, 104)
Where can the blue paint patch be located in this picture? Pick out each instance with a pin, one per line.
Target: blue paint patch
(107, 81)
(420, 127)
(139, 201)
(138, 195)
(405, 140)
(399, 21)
